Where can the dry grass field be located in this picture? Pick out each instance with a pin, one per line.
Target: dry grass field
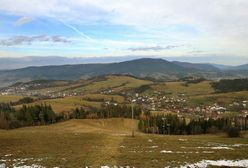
(9, 98)
(176, 88)
(107, 142)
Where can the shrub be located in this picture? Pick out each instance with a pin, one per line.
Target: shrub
(233, 132)
(213, 130)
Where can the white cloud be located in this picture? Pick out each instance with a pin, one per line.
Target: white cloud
(220, 24)
(23, 20)
(20, 40)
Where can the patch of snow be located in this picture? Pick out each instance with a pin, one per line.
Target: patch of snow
(105, 167)
(206, 163)
(8, 155)
(153, 147)
(119, 134)
(208, 152)
(122, 146)
(165, 151)
(148, 151)
(32, 166)
(222, 147)
(2, 165)
(182, 139)
(239, 145)
(201, 147)
(216, 147)
(149, 140)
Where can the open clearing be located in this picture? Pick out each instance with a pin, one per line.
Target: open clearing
(9, 98)
(107, 142)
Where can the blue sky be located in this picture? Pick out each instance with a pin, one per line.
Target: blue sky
(90, 28)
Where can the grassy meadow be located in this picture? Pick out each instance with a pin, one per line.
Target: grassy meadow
(9, 98)
(107, 142)
(175, 88)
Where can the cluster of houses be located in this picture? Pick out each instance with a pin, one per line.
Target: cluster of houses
(180, 105)
(25, 90)
(156, 101)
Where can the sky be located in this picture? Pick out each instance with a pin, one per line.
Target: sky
(100, 28)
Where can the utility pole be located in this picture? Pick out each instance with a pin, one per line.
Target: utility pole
(163, 125)
(132, 103)
(133, 122)
(168, 125)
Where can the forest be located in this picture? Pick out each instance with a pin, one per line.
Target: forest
(233, 85)
(26, 116)
(172, 124)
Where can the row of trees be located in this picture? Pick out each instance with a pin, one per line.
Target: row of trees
(233, 85)
(107, 111)
(172, 124)
(26, 116)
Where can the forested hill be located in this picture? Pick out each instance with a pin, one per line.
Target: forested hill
(145, 67)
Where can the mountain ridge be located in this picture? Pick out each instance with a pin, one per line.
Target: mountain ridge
(144, 67)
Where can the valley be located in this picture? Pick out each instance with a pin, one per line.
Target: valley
(92, 125)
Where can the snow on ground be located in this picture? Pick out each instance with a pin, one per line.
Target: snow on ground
(115, 167)
(207, 151)
(165, 151)
(32, 166)
(184, 152)
(227, 145)
(222, 147)
(215, 147)
(182, 139)
(206, 163)
(8, 155)
(239, 145)
(2, 165)
(20, 162)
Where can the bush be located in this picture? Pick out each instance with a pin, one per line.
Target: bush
(233, 132)
(213, 130)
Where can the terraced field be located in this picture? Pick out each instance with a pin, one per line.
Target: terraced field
(96, 143)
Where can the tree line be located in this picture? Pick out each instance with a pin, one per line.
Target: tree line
(172, 124)
(27, 116)
(107, 111)
(226, 85)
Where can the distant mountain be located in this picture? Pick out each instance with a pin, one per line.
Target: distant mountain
(198, 66)
(228, 67)
(159, 69)
(241, 67)
(8, 63)
(222, 67)
(22, 62)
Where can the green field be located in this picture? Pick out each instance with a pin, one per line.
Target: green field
(220, 98)
(81, 143)
(66, 104)
(116, 83)
(9, 98)
(196, 94)
(176, 88)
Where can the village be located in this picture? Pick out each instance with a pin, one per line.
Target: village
(156, 102)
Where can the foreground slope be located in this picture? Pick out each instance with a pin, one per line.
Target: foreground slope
(81, 143)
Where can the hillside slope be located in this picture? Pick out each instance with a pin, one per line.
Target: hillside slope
(145, 67)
